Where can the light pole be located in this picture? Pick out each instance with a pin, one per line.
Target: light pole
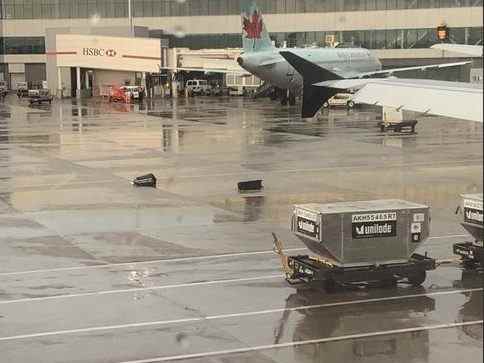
(130, 16)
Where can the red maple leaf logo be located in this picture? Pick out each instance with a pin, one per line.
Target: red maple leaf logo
(253, 27)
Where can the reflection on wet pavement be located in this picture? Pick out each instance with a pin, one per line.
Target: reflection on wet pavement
(95, 269)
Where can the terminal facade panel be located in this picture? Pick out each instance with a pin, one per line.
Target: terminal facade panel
(40, 9)
(383, 25)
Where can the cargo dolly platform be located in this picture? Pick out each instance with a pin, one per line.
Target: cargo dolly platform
(304, 268)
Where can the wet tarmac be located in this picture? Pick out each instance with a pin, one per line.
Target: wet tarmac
(94, 270)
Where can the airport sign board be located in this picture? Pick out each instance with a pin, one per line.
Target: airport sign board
(99, 52)
(104, 52)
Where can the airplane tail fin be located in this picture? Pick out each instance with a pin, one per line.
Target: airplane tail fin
(313, 96)
(255, 37)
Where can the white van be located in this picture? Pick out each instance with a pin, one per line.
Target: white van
(198, 87)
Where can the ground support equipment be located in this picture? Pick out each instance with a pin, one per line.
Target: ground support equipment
(40, 99)
(401, 126)
(304, 268)
(472, 254)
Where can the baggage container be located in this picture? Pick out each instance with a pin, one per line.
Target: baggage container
(472, 253)
(473, 219)
(249, 185)
(148, 180)
(362, 233)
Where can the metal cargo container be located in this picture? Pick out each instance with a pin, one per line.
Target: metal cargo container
(362, 233)
(473, 219)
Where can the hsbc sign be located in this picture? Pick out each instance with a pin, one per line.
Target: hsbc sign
(98, 52)
(105, 52)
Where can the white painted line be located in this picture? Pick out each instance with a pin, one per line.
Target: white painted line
(71, 183)
(233, 315)
(450, 236)
(304, 342)
(448, 261)
(167, 260)
(312, 170)
(181, 259)
(137, 289)
(99, 328)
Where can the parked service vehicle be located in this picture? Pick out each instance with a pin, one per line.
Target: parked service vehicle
(22, 89)
(3, 89)
(241, 85)
(196, 87)
(43, 95)
(131, 91)
(237, 91)
(118, 94)
(340, 100)
(3, 86)
(217, 90)
(33, 92)
(41, 99)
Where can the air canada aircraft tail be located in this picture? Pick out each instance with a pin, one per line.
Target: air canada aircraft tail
(255, 37)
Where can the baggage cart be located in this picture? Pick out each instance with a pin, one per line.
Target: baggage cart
(306, 269)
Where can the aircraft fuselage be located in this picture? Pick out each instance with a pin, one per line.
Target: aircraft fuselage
(271, 67)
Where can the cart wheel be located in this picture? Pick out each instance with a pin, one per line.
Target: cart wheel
(417, 278)
(469, 264)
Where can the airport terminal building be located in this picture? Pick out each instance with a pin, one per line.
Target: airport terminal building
(29, 29)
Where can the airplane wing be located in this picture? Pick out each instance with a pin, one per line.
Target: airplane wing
(470, 50)
(422, 68)
(452, 99)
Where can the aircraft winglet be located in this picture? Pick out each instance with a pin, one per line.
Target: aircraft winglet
(313, 96)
